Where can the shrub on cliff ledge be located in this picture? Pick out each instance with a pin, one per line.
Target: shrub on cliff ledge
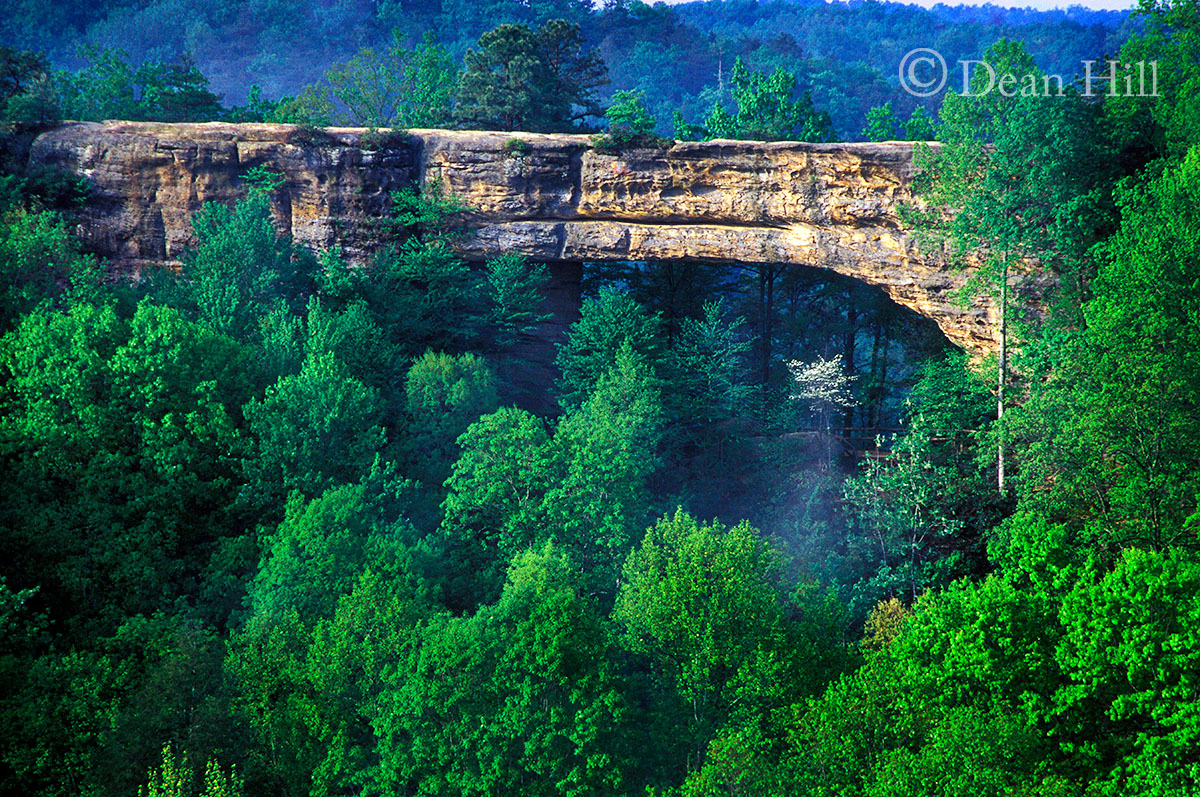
(629, 124)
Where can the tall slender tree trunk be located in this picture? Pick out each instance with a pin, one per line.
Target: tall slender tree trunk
(883, 369)
(766, 310)
(848, 341)
(873, 398)
(1001, 373)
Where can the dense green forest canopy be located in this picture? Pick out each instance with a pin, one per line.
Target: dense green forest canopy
(278, 525)
(845, 55)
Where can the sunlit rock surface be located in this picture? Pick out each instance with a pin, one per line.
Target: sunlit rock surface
(556, 198)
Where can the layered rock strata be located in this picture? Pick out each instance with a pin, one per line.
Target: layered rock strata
(556, 198)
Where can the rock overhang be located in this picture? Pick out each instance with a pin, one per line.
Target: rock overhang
(552, 197)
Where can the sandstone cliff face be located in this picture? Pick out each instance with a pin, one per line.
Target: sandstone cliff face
(147, 179)
(555, 198)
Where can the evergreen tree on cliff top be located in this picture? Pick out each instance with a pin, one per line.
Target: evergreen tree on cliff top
(521, 79)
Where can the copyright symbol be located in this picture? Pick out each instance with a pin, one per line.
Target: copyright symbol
(928, 60)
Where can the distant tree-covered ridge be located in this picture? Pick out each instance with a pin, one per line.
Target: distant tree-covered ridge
(349, 59)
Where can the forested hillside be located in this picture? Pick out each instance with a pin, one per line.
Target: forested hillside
(681, 57)
(275, 524)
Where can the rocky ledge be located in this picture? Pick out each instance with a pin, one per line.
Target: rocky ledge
(556, 198)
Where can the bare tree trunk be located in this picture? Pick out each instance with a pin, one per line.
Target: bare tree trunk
(1000, 376)
(874, 398)
(848, 342)
(883, 369)
(767, 275)
(768, 321)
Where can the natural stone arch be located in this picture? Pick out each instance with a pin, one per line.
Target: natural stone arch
(556, 198)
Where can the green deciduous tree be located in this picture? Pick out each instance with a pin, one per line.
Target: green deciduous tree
(172, 779)
(315, 555)
(315, 429)
(1165, 119)
(1130, 655)
(610, 448)
(628, 118)
(421, 294)
(1107, 436)
(920, 126)
(109, 87)
(397, 87)
(38, 260)
(951, 402)
(241, 266)
(445, 394)
(900, 524)
(882, 124)
(495, 501)
(966, 751)
(952, 705)
(703, 602)
(312, 107)
(350, 333)
(274, 700)
(128, 428)
(350, 660)
(335, 606)
(175, 778)
(518, 698)
(585, 487)
(1023, 178)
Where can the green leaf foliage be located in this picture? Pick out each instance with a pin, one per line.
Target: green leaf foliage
(524, 79)
(397, 87)
(131, 429)
(41, 263)
(1130, 652)
(517, 698)
(609, 447)
(270, 525)
(708, 381)
(882, 124)
(495, 501)
(1110, 431)
(605, 324)
(110, 87)
(704, 603)
(445, 394)
(514, 288)
(240, 265)
(315, 429)
(768, 110)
